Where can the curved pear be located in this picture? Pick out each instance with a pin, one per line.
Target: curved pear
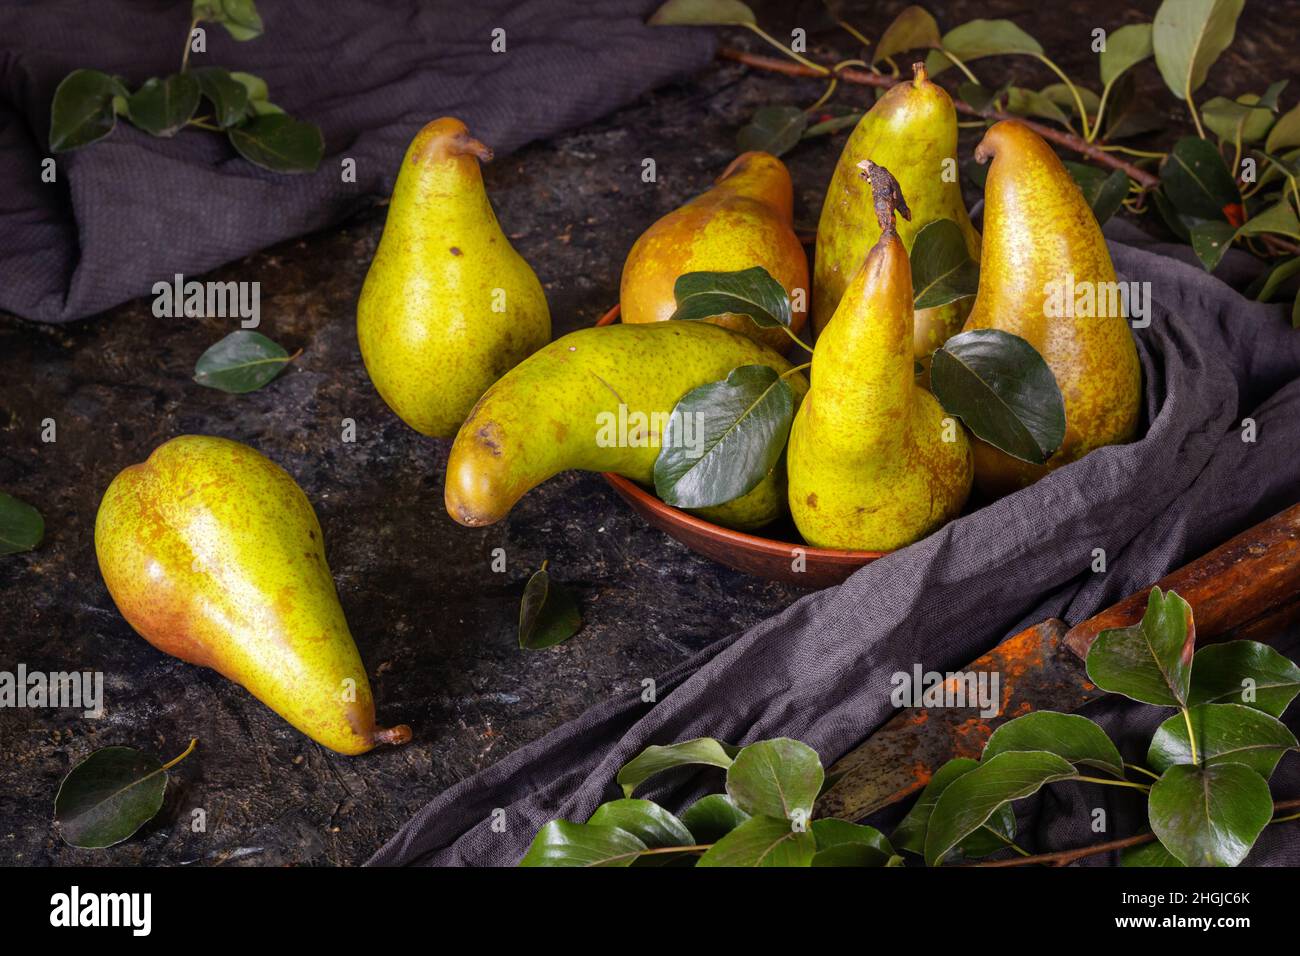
(745, 220)
(874, 461)
(214, 555)
(912, 130)
(1042, 249)
(448, 306)
(597, 400)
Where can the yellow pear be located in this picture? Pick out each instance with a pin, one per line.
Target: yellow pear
(214, 555)
(911, 130)
(874, 461)
(1045, 264)
(745, 220)
(448, 306)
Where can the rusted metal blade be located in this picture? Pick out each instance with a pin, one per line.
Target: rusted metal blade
(1246, 587)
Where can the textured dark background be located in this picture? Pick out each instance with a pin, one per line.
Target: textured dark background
(434, 625)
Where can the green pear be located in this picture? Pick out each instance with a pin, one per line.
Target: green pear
(214, 555)
(448, 306)
(874, 461)
(598, 400)
(912, 129)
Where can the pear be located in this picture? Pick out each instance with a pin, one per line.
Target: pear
(874, 461)
(912, 129)
(448, 306)
(745, 220)
(214, 555)
(598, 400)
(1042, 246)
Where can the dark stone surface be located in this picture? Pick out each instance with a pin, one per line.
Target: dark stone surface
(435, 626)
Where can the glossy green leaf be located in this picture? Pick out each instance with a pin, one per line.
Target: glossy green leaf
(1285, 133)
(723, 438)
(548, 613)
(1210, 241)
(996, 833)
(109, 796)
(752, 292)
(979, 38)
(1147, 855)
(762, 841)
(82, 109)
(702, 13)
(773, 129)
(712, 817)
(1225, 733)
(1188, 36)
(258, 95)
(1196, 179)
(913, 29)
(1125, 48)
(840, 843)
(971, 800)
(1279, 218)
(1151, 661)
(228, 96)
(239, 17)
(1104, 192)
(242, 362)
(942, 269)
(163, 107)
(776, 778)
(656, 758)
(561, 843)
(1003, 390)
(21, 526)
(1071, 736)
(279, 143)
(647, 821)
(1244, 672)
(1209, 816)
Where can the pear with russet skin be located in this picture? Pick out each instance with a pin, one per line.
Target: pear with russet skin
(911, 130)
(214, 555)
(746, 219)
(1042, 250)
(874, 461)
(448, 306)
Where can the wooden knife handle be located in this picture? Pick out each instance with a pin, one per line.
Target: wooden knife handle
(1242, 579)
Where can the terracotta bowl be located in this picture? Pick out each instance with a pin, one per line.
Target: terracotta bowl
(770, 558)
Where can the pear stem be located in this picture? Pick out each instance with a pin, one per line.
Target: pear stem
(886, 194)
(194, 741)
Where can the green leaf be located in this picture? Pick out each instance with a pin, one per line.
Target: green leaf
(832, 125)
(1263, 288)
(1105, 193)
(1151, 661)
(1188, 36)
(1225, 733)
(712, 817)
(723, 438)
(999, 385)
(981, 98)
(228, 96)
(840, 843)
(773, 129)
(163, 107)
(239, 17)
(702, 13)
(1197, 181)
(1249, 116)
(1127, 114)
(1209, 816)
(1071, 736)
(996, 834)
(1125, 47)
(21, 525)
(1285, 132)
(82, 109)
(647, 821)
(561, 843)
(762, 841)
(913, 29)
(971, 800)
(752, 292)
(548, 613)
(258, 94)
(1210, 240)
(776, 778)
(1147, 855)
(980, 38)
(1024, 102)
(942, 269)
(655, 759)
(278, 142)
(108, 796)
(1060, 94)
(1244, 672)
(242, 362)
(1279, 218)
